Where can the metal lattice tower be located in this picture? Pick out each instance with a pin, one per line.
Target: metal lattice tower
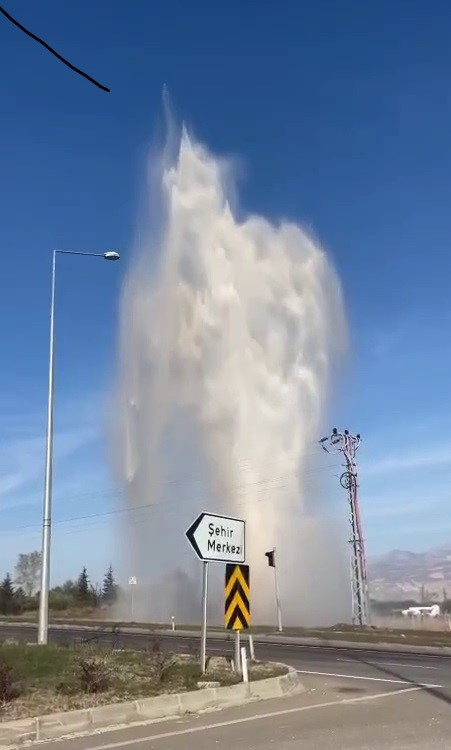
(347, 444)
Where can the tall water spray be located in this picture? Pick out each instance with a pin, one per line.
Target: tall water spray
(229, 330)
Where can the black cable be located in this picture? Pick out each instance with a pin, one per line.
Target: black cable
(53, 52)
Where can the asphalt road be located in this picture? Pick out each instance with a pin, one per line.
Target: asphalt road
(336, 718)
(355, 700)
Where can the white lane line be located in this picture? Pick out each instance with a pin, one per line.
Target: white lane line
(248, 719)
(357, 649)
(371, 679)
(381, 663)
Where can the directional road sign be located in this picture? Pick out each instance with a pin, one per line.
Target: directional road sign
(217, 538)
(237, 614)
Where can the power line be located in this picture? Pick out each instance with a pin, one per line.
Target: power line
(52, 50)
(181, 479)
(167, 504)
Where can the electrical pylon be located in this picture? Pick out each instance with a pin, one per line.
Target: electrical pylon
(347, 444)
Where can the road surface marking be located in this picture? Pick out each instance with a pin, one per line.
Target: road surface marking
(357, 649)
(382, 663)
(372, 679)
(246, 719)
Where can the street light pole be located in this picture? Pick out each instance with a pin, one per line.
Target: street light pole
(47, 508)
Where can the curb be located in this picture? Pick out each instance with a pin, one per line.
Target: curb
(161, 707)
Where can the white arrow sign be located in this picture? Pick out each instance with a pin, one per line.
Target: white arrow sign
(217, 538)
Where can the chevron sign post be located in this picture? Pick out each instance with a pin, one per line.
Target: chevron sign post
(237, 615)
(237, 597)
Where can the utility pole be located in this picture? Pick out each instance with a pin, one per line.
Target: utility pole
(347, 445)
(272, 564)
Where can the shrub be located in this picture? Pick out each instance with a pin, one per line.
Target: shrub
(194, 652)
(9, 688)
(59, 601)
(29, 604)
(93, 674)
(67, 687)
(162, 662)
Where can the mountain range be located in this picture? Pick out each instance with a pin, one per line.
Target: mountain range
(422, 576)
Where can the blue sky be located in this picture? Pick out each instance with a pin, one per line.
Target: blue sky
(339, 113)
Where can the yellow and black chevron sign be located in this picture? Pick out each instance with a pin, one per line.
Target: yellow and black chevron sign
(237, 597)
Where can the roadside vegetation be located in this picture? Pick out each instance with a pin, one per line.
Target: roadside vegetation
(19, 595)
(46, 679)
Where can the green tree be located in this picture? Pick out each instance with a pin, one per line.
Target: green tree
(59, 599)
(109, 588)
(22, 603)
(69, 587)
(27, 572)
(7, 603)
(83, 589)
(96, 594)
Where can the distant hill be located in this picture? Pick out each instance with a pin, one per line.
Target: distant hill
(401, 574)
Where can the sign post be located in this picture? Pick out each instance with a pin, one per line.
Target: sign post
(237, 611)
(237, 652)
(215, 538)
(203, 645)
(132, 582)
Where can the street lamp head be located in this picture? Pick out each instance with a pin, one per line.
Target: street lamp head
(111, 255)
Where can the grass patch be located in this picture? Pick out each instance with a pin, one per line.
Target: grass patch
(37, 680)
(44, 679)
(261, 671)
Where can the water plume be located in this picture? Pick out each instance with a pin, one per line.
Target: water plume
(229, 330)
